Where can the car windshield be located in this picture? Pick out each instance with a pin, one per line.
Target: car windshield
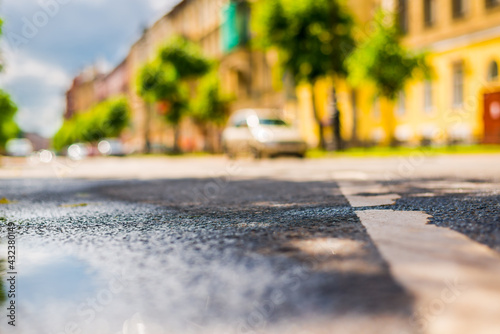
(273, 122)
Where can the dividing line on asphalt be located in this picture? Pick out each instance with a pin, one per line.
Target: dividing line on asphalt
(455, 281)
(367, 193)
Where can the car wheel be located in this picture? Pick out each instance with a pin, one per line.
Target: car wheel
(230, 154)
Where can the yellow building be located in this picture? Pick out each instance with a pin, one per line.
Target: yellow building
(463, 37)
(461, 104)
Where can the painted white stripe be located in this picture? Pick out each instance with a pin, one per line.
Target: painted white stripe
(361, 201)
(351, 191)
(455, 281)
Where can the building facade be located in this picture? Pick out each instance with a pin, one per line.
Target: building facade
(82, 94)
(461, 104)
(220, 28)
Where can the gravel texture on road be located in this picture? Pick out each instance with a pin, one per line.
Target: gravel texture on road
(266, 246)
(244, 256)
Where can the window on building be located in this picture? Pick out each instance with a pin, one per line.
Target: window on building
(403, 15)
(401, 108)
(428, 97)
(493, 71)
(235, 25)
(458, 84)
(429, 12)
(458, 9)
(492, 3)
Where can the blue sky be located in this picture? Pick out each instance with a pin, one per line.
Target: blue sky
(45, 43)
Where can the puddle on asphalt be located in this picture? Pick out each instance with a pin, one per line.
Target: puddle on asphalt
(45, 276)
(58, 292)
(55, 290)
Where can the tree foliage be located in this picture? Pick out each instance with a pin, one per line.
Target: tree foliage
(106, 120)
(157, 82)
(8, 109)
(382, 60)
(160, 82)
(185, 57)
(165, 79)
(8, 127)
(210, 105)
(313, 37)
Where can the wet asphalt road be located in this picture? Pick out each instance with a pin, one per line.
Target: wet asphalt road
(273, 248)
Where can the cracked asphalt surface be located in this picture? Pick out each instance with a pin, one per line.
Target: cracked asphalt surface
(275, 248)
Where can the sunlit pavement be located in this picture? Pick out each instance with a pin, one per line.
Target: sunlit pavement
(211, 245)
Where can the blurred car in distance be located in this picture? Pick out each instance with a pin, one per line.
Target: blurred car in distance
(113, 147)
(78, 151)
(262, 133)
(19, 147)
(45, 156)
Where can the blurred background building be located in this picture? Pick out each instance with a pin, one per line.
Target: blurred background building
(461, 104)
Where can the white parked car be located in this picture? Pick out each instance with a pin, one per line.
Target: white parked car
(19, 147)
(261, 132)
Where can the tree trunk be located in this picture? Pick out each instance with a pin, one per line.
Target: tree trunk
(218, 139)
(207, 146)
(147, 128)
(177, 133)
(336, 123)
(354, 103)
(322, 144)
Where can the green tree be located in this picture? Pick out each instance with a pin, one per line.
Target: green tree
(8, 109)
(210, 109)
(8, 127)
(382, 60)
(166, 79)
(313, 37)
(66, 135)
(186, 58)
(157, 81)
(107, 119)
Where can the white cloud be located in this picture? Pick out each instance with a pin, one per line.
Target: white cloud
(160, 4)
(83, 32)
(22, 65)
(37, 88)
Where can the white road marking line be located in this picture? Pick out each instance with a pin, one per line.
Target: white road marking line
(351, 191)
(349, 175)
(362, 201)
(456, 281)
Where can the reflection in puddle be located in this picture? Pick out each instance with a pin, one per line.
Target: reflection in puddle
(45, 276)
(56, 290)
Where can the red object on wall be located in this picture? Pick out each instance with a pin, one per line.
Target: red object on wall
(491, 117)
(163, 108)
